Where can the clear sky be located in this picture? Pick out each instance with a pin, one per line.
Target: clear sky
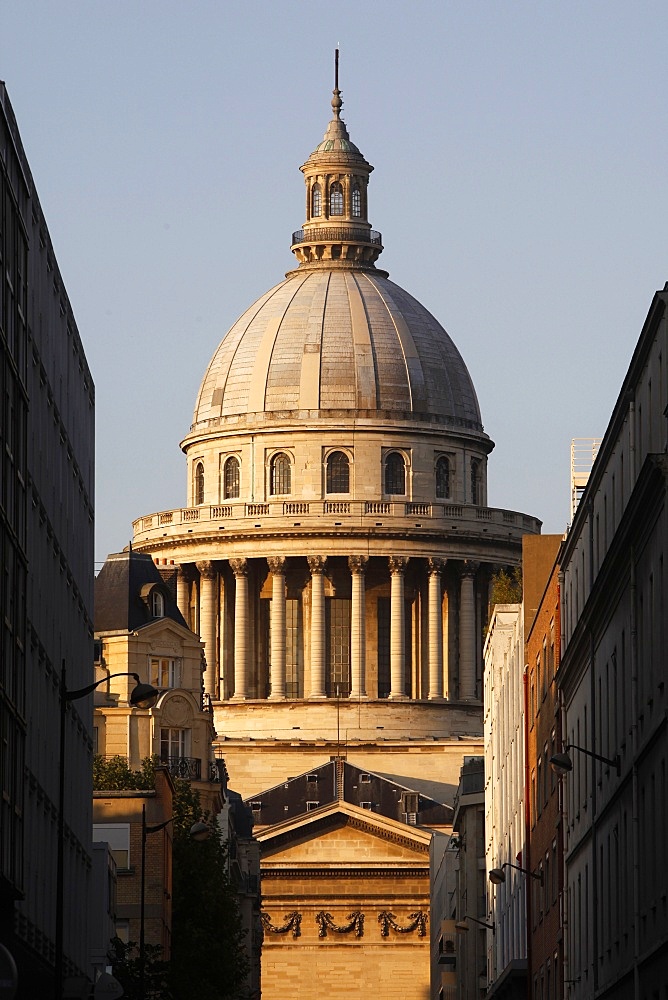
(520, 149)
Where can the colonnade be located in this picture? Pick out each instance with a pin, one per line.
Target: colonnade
(436, 649)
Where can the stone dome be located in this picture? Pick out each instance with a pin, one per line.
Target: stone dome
(343, 340)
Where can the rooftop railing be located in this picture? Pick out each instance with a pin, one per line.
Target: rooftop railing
(338, 234)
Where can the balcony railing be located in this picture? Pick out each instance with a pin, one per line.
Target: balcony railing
(338, 234)
(189, 768)
(249, 516)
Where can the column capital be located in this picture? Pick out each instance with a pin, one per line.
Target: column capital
(398, 564)
(239, 567)
(470, 567)
(316, 563)
(357, 564)
(276, 564)
(206, 569)
(185, 570)
(436, 565)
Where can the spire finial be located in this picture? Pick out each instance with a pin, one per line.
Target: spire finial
(337, 103)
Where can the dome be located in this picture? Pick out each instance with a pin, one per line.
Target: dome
(333, 340)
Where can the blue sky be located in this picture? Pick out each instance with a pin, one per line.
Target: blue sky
(520, 186)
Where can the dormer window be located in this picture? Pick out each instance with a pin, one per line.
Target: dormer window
(199, 484)
(336, 199)
(316, 200)
(357, 201)
(157, 604)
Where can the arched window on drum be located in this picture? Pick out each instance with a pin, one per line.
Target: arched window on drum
(443, 478)
(338, 473)
(395, 474)
(280, 475)
(198, 491)
(231, 478)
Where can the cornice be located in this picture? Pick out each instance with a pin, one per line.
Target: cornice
(340, 874)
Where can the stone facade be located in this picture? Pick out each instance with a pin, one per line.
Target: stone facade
(346, 903)
(46, 587)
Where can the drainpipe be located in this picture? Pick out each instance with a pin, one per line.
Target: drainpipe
(594, 723)
(528, 889)
(635, 825)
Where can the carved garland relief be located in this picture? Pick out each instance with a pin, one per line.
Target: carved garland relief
(417, 921)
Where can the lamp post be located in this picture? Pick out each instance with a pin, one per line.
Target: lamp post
(497, 875)
(198, 831)
(142, 696)
(561, 763)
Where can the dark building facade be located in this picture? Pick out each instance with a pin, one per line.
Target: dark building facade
(46, 583)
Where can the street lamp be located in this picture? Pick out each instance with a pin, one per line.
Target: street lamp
(142, 696)
(497, 875)
(199, 832)
(561, 763)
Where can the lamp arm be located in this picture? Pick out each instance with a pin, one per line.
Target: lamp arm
(612, 762)
(82, 692)
(525, 871)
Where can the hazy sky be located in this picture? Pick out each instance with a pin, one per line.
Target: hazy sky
(520, 149)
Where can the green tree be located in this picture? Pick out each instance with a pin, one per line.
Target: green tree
(114, 774)
(506, 587)
(125, 961)
(208, 957)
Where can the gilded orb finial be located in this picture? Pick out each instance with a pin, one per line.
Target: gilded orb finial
(337, 103)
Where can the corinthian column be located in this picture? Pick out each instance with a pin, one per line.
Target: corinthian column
(183, 592)
(240, 569)
(277, 567)
(316, 564)
(467, 657)
(357, 566)
(397, 627)
(207, 623)
(435, 615)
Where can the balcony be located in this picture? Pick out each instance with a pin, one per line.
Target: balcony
(325, 515)
(188, 768)
(337, 234)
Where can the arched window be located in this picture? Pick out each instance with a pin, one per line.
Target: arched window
(357, 201)
(443, 478)
(280, 475)
(476, 467)
(316, 200)
(231, 478)
(199, 484)
(395, 474)
(157, 604)
(338, 473)
(336, 199)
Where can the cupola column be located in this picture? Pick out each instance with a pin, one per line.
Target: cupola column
(207, 623)
(467, 646)
(316, 565)
(277, 567)
(435, 614)
(357, 565)
(240, 569)
(397, 628)
(183, 592)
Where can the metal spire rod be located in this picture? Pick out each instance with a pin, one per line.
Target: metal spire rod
(336, 69)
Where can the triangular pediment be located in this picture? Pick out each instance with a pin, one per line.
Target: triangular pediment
(342, 834)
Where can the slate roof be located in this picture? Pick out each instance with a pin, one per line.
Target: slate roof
(119, 605)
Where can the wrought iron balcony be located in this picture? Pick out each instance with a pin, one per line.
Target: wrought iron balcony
(338, 234)
(189, 768)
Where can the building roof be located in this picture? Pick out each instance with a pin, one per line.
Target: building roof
(122, 589)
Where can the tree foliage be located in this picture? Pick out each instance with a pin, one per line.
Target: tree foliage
(506, 587)
(125, 961)
(114, 774)
(208, 957)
